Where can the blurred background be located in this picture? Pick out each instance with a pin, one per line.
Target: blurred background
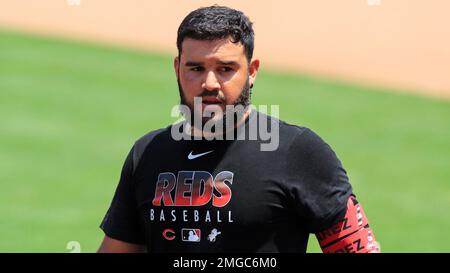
(81, 80)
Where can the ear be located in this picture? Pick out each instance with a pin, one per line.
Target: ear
(176, 66)
(253, 70)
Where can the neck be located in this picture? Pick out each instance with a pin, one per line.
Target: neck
(197, 132)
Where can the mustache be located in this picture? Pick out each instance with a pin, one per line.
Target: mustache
(216, 94)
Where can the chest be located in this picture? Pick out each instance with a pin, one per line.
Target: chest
(213, 201)
(237, 182)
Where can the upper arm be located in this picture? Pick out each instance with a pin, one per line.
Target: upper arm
(110, 245)
(318, 184)
(122, 220)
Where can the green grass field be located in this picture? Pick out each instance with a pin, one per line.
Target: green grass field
(69, 113)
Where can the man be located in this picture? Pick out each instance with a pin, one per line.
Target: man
(196, 190)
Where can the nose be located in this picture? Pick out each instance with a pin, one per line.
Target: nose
(211, 83)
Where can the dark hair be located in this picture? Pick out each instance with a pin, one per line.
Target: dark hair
(217, 22)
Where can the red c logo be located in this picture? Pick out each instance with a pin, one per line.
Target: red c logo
(169, 234)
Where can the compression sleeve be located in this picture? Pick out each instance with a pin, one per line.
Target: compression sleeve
(351, 234)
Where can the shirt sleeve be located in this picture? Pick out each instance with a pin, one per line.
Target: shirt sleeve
(121, 221)
(318, 184)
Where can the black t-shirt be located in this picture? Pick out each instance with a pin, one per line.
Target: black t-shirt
(228, 195)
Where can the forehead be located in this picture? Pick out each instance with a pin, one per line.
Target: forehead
(223, 49)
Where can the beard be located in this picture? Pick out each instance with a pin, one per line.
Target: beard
(242, 102)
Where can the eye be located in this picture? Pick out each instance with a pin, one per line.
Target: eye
(196, 68)
(225, 69)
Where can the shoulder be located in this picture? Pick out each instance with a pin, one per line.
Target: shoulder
(292, 137)
(142, 143)
(308, 140)
(299, 136)
(306, 148)
(287, 132)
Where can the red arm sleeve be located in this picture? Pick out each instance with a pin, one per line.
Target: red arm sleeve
(352, 234)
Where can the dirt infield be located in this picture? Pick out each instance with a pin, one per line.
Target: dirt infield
(397, 43)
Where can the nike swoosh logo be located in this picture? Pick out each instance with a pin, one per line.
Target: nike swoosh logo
(191, 156)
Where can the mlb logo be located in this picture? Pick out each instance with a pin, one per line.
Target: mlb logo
(190, 235)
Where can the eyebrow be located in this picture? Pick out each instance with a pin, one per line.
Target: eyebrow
(189, 63)
(232, 63)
